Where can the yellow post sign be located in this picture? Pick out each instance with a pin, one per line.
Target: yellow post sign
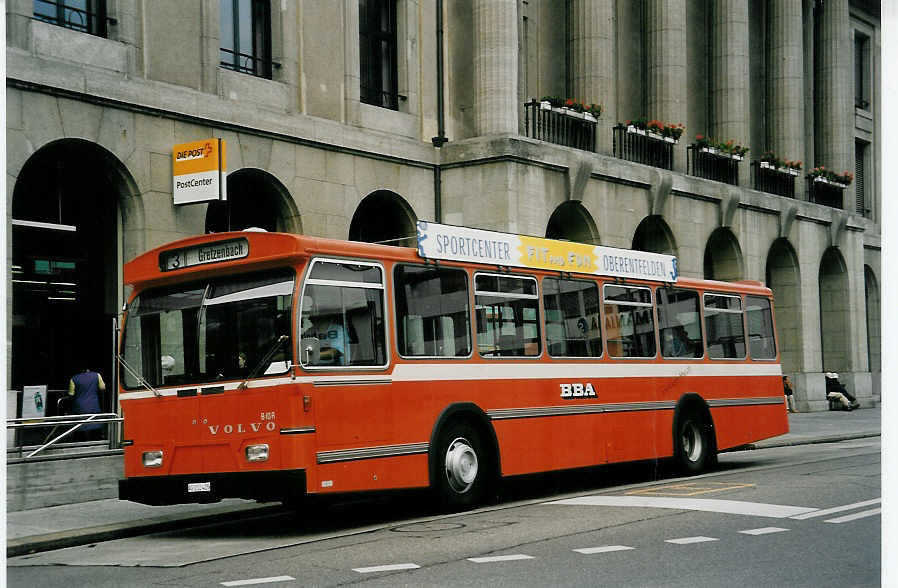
(198, 171)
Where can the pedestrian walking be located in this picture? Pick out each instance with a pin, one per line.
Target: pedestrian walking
(85, 387)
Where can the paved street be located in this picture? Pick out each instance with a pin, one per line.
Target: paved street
(803, 516)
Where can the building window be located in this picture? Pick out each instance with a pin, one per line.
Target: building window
(377, 53)
(860, 178)
(87, 16)
(862, 71)
(246, 36)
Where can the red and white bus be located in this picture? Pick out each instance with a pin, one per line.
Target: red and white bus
(269, 366)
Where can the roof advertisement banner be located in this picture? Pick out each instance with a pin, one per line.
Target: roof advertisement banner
(438, 241)
(198, 171)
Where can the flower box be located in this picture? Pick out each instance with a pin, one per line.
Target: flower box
(783, 170)
(571, 113)
(822, 180)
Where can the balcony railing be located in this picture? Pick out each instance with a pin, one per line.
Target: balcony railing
(713, 164)
(825, 192)
(774, 180)
(643, 146)
(561, 126)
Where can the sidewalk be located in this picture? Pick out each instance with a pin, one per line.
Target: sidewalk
(56, 527)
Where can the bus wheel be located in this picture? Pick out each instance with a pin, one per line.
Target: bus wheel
(694, 446)
(461, 474)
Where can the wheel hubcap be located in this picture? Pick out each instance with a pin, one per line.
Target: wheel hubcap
(692, 441)
(461, 465)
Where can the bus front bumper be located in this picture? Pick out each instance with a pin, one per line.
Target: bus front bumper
(284, 486)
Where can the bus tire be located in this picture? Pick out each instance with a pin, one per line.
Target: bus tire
(695, 450)
(462, 468)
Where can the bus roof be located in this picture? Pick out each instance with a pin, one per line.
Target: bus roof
(236, 251)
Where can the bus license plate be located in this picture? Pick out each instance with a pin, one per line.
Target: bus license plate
(199, 487)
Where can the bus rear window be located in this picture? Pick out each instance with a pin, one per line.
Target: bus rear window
(762, 344)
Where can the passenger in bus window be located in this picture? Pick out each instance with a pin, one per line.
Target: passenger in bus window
(333, 344)
(675, 342)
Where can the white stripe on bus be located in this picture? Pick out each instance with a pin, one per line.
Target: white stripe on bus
(507, 370)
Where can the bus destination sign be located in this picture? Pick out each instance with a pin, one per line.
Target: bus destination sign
(203, 254)
(436, 241)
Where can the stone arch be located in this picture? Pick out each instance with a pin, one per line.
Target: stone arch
(384, 217)
(783, 276)
(256, 198)
(723, 256)
(834, 312)
(872, 307)
(75, 214)
(572, 222)
(653, 234)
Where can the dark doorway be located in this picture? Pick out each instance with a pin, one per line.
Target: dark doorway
(64, 268)
(254, 200)
(384, 217)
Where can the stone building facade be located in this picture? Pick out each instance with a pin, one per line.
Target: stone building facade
(353, 118)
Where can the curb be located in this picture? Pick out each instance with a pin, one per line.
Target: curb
(812, 441)
(76, 537)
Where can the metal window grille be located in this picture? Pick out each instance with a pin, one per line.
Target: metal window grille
(246, 37)
(377, 53)
(571, 130)
(825, 192)
(87, 16)
(713, 165)
(773, 181)
(642, 147)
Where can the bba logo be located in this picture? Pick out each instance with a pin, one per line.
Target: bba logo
(577, 390)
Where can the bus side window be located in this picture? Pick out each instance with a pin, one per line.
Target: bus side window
(433, 315)
(629, 321)
(343, 315)
(572, 318)
(679, 323)
(507, 314)
(759, 317)
(723, 324)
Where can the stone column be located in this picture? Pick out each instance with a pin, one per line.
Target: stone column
(591, 49)
(834, 116)
(786, 77)
(665, 24)
(496, 66)
(729, 76)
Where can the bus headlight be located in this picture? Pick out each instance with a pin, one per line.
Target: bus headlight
(152, 459)
(257, 452)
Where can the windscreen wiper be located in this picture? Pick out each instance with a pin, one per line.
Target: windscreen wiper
(266, 359)
(140, 379)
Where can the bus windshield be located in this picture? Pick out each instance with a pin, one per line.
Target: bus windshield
(211, 330)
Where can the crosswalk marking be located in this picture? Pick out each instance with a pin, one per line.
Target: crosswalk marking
(387, 568)
(763, 531)
(756, 509)
(857, 515)
(258, 581)
(603, 549)
(689, 540)
(496, 558)
(828, 511)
